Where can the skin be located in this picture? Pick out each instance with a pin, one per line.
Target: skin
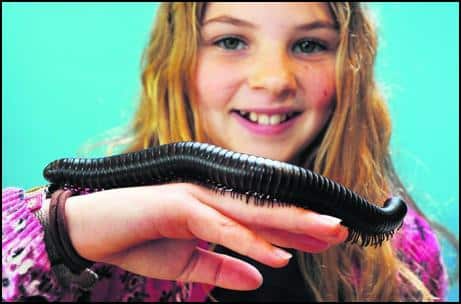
(265, 68)
(154, 230)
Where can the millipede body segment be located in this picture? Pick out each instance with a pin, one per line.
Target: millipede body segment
(264, 180)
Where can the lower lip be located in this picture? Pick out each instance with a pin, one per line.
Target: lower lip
(265, 129)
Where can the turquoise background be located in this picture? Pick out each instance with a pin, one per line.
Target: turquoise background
(71, 73)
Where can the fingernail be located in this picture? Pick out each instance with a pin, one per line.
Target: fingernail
(282, 253)
(336, 234)
(329, 220)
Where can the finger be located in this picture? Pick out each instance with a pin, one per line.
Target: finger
(162, 259)
(289, 218)
(208, 224)
(220, 270)
(183, 260)
(301, 242)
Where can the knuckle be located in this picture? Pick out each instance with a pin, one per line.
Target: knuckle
(227, 229)
(232, 233)
(188, 188)
(190, 267)
(218, 271)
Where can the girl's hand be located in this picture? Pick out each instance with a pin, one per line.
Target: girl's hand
(154, 231)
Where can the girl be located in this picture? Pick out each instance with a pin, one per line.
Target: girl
(291, 82)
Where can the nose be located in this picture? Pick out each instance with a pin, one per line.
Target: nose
(273, 72)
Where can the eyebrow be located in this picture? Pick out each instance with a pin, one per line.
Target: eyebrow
(239, 22)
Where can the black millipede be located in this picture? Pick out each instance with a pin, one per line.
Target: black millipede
(264, 180)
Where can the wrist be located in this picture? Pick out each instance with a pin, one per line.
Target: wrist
(73, 214)
(42, 215)
(58, 228)
(57, 247)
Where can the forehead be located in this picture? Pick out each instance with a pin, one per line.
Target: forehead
(275, 13)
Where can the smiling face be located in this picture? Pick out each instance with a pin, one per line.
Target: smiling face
(265, 78)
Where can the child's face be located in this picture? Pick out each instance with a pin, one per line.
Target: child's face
(260, 63)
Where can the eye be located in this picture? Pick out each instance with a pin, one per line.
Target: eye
(230, 43)
(308, 46)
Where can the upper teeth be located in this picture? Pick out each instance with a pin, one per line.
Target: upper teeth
(265, 119)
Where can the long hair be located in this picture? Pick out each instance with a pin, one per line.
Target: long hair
(352, 150)
(166, 112)
(355, 152)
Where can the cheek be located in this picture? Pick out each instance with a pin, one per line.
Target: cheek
(320, 88)
(214, 84)
(327, 97)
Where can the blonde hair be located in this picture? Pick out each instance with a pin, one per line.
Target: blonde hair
(353, 150)
(165, 113)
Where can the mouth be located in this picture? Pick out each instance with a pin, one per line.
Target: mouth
(267, 119)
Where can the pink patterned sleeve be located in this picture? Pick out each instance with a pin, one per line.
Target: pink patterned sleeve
(26, 269)
(27, 274)
(418, 247)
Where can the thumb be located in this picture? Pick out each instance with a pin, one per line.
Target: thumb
(220, 270)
